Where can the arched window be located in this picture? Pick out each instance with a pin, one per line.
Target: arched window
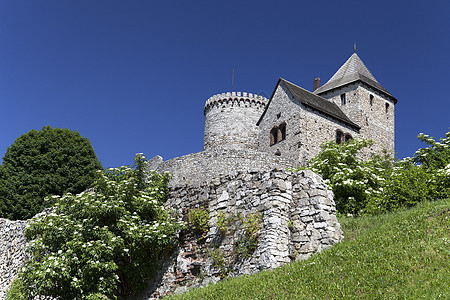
(348, 137)
(387, 107)
(371, 99)
(339, 136)
(278, 134)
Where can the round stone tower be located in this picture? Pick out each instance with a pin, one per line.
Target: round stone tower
(230, 120)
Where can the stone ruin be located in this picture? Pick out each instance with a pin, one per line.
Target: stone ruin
(297, 217)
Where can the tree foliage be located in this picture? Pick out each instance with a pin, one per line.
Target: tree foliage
(381, 184)
(424, 177)
(51, 161)
(103, 243)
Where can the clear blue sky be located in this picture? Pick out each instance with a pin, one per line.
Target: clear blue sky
(133, 76)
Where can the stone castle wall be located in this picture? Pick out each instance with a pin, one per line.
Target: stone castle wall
(12, 252)
(230, 120)
(205, 166)
(306, 129)
(376, 122)
(297, 219)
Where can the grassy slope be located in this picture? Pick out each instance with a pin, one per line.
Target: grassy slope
(405, 254)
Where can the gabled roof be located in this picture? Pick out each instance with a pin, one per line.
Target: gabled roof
(351, 71)
(313, 101)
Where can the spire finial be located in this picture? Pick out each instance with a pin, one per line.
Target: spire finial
(354, 47)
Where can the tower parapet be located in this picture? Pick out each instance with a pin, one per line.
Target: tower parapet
(230, 120)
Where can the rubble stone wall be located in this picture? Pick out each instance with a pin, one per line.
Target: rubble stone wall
(204, 166)
(12, 252)
(297, 218)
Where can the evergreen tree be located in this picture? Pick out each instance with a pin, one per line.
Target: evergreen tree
(51, 161)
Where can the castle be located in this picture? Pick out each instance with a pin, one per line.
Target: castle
(249, 142)
(245, 131)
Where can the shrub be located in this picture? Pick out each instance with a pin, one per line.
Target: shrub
(351, 178)
(380, 184)
(102, 243)
(424, 177)
(246, 244)
(51, 161)
(224, 222)
(199, 218)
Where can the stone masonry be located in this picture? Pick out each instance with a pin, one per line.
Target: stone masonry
(298, 218)
(12, 252)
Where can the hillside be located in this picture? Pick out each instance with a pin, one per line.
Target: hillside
(405, 254)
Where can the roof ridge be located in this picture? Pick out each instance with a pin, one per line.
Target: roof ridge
(317, 102)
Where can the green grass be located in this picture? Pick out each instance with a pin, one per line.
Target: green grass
(403, 255)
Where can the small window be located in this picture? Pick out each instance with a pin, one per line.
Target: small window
(371, 100)
(343, 99)
(387, 107)
(282, 129)
(278, 134)
(348, 137)
(274, 136)
(339, 136)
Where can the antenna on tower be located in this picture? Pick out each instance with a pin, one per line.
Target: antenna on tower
(232, 80)
(354, 47)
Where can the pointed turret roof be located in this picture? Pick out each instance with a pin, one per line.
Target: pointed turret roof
(351, 71)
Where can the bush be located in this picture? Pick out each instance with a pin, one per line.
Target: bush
(247, 242)
(424, 177)
(380, 184)
(102, 243)
(351, 178)
(199, 218)
(51, 161)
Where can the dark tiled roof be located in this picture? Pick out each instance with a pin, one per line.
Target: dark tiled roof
(313, 101)
(351, 71)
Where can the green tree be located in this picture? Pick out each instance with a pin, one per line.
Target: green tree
(102, 243)
(50, 161)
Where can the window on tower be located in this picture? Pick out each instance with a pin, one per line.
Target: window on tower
(343, 99)
(371, 100)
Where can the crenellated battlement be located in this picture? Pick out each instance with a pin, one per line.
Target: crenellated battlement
(230, 120)
(235, 99)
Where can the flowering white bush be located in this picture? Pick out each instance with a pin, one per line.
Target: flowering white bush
(101, 243)
(352, 179)
(381, 184)
(424, 177)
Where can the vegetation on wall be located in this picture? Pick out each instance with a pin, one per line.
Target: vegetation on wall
(102, 243)
(247, 242)
(199, 219)
(382, 184)
(50, 161)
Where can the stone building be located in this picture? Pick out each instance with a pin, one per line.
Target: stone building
(246, 131)
(249, 142)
